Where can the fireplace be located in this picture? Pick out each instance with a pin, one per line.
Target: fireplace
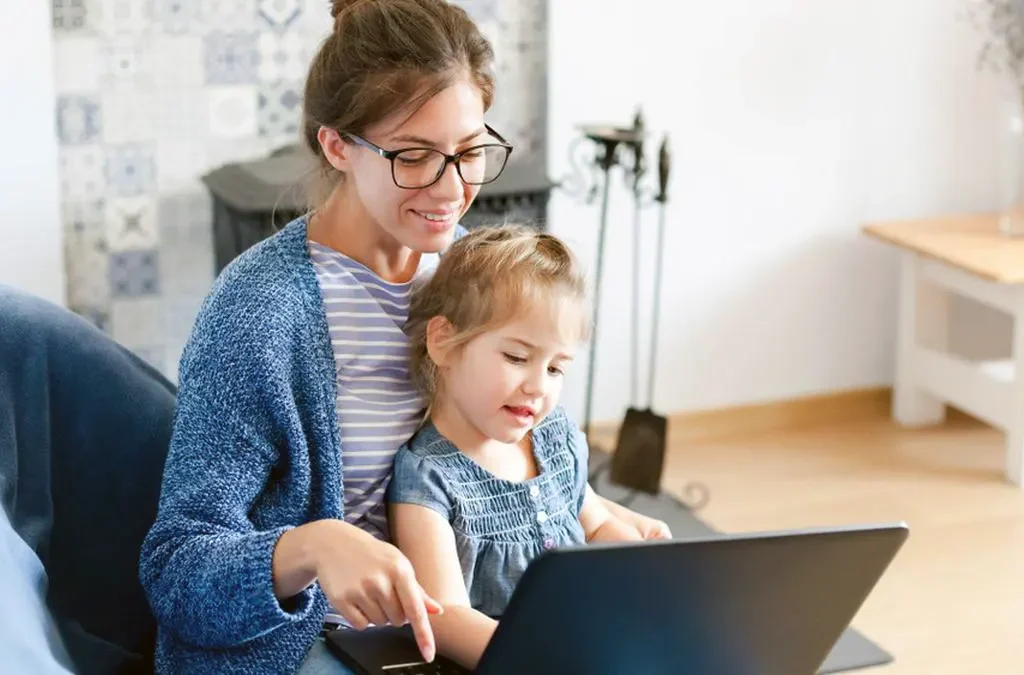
(252, 200)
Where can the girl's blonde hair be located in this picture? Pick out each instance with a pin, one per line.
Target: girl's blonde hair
(488, 278)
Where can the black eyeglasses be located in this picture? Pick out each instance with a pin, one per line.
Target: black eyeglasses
(418, 168)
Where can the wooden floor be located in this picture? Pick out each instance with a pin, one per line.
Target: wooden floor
(953, 601)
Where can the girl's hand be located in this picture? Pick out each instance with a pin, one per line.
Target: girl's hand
(369, 581)
(614, 529)
(648, 528)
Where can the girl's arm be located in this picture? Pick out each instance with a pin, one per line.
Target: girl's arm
(600, 524)
(427, 540)
(649, 528)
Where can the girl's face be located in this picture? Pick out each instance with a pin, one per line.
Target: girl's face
(503, 382)
(420, 219)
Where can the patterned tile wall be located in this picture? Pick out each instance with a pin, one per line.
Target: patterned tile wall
(151, 94)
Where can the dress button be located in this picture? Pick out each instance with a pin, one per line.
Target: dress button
(549, 544)
(534, 490)
(541, 517)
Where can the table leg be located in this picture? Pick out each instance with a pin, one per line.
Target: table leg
(923, 321)
(1015, 424)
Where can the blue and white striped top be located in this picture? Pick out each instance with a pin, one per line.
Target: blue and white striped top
(378, 406)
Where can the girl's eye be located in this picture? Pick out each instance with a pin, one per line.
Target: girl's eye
(512, 358)
(555, 370)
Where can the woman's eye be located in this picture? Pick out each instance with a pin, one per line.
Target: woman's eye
(555, 370)
(413, 157)
(512, 358)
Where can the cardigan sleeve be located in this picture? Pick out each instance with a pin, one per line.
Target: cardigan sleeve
(205, 565)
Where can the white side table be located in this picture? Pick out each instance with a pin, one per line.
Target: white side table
(965, 255)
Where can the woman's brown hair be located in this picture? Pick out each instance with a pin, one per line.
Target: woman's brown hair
(388, 56)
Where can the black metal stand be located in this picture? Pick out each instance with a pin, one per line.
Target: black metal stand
(609, 140)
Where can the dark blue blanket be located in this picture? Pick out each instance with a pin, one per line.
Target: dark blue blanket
(84, 432)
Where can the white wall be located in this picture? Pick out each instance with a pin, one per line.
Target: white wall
(31, 256)
(792, 123)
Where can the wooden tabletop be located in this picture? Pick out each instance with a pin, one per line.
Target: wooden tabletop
(972, 243)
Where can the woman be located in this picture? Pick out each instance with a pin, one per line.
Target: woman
(294, 392)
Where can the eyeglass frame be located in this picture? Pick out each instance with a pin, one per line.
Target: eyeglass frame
(455, 158)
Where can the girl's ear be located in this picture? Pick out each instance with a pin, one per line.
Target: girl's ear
(439, 332)
(335, 149)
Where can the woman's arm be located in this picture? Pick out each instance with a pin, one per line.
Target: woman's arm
(205, 565)
(427, 540)
(206, 569)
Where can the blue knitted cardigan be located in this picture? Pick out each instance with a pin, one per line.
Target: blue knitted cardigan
(255, 451)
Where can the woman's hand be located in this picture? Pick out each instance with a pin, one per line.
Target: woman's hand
(366, 580)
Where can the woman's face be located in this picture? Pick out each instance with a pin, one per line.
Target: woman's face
(421, 219)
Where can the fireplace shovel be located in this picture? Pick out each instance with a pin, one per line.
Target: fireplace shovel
(639, 456)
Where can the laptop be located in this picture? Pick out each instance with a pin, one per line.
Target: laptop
(749, 604)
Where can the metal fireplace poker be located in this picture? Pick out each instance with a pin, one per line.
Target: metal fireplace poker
(637, 463)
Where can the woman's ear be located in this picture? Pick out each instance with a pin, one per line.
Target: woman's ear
(439, 332)
(336, 150)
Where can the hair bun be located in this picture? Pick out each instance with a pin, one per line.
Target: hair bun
(339, 6)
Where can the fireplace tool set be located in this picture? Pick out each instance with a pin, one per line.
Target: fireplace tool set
(637, 461)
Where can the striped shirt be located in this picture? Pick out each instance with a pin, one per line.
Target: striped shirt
(378, 406)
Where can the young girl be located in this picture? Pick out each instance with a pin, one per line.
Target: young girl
(498, 473)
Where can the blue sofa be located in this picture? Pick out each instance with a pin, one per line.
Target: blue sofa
(84, 431)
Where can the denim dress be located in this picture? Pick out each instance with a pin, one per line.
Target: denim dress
(500, 526)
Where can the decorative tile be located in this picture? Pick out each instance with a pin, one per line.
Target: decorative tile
(77, 65)
(127, 60)
(314, 20)
(181, 216)
(232, 111)
(78, 119)
(86, 257)
(280, 109)
(119, 17)
(81, 173)
(284, 57)
(137, 322)
(134, 274)
(81, 214)
(128, 115)
(481, 11)
(152, 94)
(280, 14)
(229, 15)
(182, 114)
(181, 164)
(186, 236)
(131, 224)
(175, 17)
(177, 62)
(231, 58)
(69, 15)
(130, 169)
